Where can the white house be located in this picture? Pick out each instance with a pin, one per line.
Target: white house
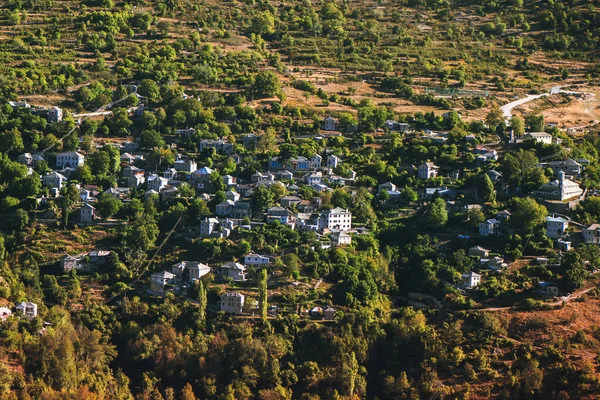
(185, 133)
(156, 182)
(208, 226)
(336, 218)
(591, 234)
(541, 137)
(54, 180)
(316, 161)
(387, 186)
(5, 313)
(220, 145)
(87, 213)
(427, 170)
(71, 159)
(314, 178)
(232, 195)
(159, 280)
(330, 124)
(470, 280)
(340, 239)
(332, 161)
(234, 271)
(197, 270)
(28, 309)
(556, 227)
(25, 158)
(232, 302)
(55, 114)
(186, 166)
(256, 259)
(489, 227)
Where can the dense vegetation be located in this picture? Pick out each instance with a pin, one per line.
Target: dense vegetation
(275, 69)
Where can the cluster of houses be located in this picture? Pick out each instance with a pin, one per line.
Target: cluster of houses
(187, 272)
(52, 114)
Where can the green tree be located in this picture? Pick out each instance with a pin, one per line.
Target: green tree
(362, 208)
(262, 198)
(262, 290)
(202, 301)
(266, 84)
(486, 188)
(108, 205)
(149, 89)
(528, 214)
(409, 195)
(535, 122)
(436, 215)
(495, 117)
(573, 270)
(518, 125)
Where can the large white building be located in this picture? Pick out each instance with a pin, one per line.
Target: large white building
(232, 302)
(541, 137)
(71, 159)
(559, 189)
(339, 219)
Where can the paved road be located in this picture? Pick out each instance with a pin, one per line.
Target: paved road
(507, 108)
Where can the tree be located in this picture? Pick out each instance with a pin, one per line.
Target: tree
(142, 234)
(148, 88)
(362, 209)
(263, 23)
(495, 117)
(528, 214)
(475, 216)
(83, 174)
(262, 290)
(409, 195)
(12, 141)
(267, 142)
(573, 270)
(266, 84)
(291, 263)
(108, 205)
(187, 393)
(486, 188)
(518, 125)
(436, 215)
(535, 122)
(262, 198)
(149, 139)
(202, 301)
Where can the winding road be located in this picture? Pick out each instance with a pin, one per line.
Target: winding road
(507, 108)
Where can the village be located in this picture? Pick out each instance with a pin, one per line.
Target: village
(302, 182)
